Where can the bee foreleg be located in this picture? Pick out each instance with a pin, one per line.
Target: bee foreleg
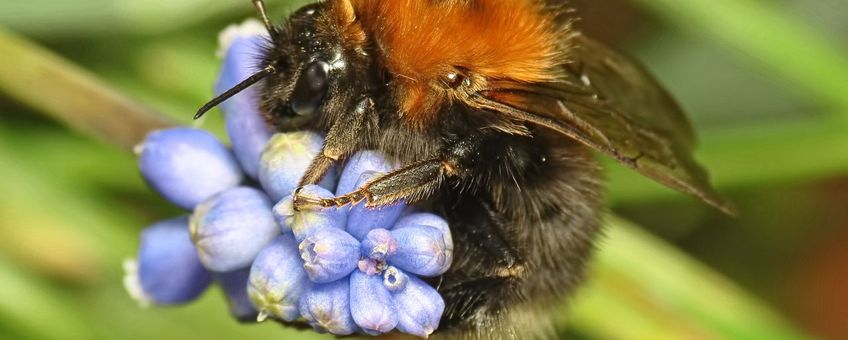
(342, 139)
(411, 183)
(415, 181)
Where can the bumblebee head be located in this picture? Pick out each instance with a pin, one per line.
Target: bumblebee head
(305, 69)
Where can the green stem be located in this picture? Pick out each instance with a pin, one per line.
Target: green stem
(776, 39)
(54, 86)
(36, 310)
(642, 288)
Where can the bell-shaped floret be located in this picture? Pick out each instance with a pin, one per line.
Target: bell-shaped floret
(277, 280)
(187, 166)
(329, 254)
(371, 304)
(286, 159)
(310, 219)
(326, 306)
(420, 308)
(231, 228)
(422, 250)
(167, 270)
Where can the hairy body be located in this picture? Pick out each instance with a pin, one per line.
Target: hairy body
(523, 207)
(541, 197)
(493, 109)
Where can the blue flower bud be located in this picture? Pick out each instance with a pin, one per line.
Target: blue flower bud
(326, 306)
(286, 159)
(305, 222)
(394, 279)
(230, 229)
(358, 164)
(277, 280)
(329, 254)
(419, 307)
(187, 166)
(362, 220)
(371, 304)
(247, 129)
(422, 219)
(234, 285)
(379, 244)
(167, 270)
(422, 250)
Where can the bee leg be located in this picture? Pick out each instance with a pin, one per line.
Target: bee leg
(412, 182)
(476, 223)
(342, 140)
(468, 301)
(497, 268)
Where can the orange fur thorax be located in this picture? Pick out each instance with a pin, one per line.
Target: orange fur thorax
(421, 42)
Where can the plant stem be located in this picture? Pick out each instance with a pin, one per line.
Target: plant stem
(642, 288)
(765, 33)
(54, 86)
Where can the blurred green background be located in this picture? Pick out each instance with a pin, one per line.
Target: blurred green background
(765, 82)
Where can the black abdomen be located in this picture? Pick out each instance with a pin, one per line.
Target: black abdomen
(524, 220)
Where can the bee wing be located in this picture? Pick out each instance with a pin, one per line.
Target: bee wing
(611, 104)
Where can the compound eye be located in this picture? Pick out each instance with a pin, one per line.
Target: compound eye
(311, 89)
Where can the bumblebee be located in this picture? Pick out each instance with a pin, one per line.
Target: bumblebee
(494, 109)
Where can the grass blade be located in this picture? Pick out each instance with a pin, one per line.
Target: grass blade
(762, 31)
(642, 288)
(54, 86)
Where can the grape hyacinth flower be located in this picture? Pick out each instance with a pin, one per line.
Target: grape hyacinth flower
(240, 216)
(367, 283)
(168, 270)
(187, 166)
(341, 270)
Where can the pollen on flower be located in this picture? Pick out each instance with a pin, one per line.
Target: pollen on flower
(371, 267)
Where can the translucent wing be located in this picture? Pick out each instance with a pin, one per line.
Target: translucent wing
(611, 104)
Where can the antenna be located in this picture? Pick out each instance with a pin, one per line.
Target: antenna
(253, 79)
(260, 9)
